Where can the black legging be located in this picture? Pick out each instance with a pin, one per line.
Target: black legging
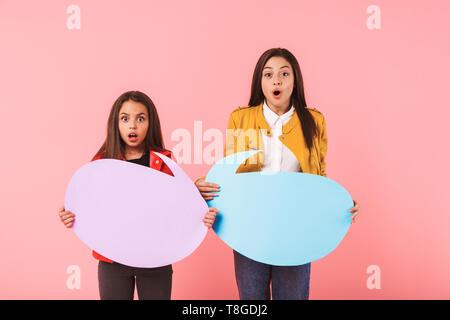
(116, 282)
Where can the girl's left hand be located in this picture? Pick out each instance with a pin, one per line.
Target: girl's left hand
(354, 210)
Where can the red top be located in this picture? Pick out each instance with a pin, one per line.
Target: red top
(155, 163)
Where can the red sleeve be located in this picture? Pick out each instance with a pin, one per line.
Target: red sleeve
(100, 257)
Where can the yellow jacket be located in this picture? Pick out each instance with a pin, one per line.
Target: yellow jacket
(244, 133)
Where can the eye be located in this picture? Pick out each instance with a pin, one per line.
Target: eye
(141, 119)
(285, 74)
(267, 74)
(124, 118)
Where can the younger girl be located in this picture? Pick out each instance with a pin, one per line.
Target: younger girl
(133, 134)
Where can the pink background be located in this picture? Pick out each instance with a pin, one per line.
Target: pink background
(384, 94)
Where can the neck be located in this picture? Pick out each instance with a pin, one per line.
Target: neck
(278, 109)
(133, 152)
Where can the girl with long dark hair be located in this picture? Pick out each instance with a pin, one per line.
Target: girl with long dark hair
(293, 138)
(133, 134)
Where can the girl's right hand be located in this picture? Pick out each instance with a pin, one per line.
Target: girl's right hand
(66, 217)
(205, 188)
(210, 217)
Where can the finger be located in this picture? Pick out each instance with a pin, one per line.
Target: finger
(61, 209)
(66, 213)
(211, 194)
(206, 218)
(208, 184)
(69, 225)
(203, 183)
(212, 184)
(208, 225)
(211, 214)
(353, 216)
(70, 215)
(208, 194)
(206, 189)
(66, 221)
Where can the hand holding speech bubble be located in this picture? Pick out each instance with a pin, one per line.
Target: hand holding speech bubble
(281, 218)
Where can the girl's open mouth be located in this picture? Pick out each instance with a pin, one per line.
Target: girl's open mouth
(132, 137)
(276, 93)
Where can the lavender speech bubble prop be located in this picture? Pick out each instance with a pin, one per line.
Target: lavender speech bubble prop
(135, 215)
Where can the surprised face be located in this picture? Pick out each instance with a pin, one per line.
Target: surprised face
(277, 82)
(133, 124)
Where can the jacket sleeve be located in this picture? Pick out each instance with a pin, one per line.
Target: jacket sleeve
(323, 147)
(230, 136)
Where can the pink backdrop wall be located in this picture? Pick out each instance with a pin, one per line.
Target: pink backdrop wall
(384, 94)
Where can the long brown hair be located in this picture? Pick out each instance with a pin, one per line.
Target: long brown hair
(114, 146)
(297, 97)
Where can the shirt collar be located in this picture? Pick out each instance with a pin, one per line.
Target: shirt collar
(271, 117)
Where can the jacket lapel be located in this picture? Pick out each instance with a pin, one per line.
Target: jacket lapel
(155, 161)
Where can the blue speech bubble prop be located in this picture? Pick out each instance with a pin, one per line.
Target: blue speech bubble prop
(280, 218)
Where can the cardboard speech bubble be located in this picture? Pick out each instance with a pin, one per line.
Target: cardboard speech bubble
(135, 215)
(281, 218)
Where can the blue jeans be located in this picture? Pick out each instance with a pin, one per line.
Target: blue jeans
(253, 280)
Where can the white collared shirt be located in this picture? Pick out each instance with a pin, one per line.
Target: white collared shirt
(277, 157)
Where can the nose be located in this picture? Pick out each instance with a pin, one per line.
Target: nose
(276, 80)
(133, 124)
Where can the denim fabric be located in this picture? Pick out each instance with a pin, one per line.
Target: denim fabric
(253, 280)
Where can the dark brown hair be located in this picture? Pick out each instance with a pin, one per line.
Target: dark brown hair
(298, 95)
(114, 146)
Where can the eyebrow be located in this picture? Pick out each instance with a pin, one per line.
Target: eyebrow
(137, 114)
(272, 68)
